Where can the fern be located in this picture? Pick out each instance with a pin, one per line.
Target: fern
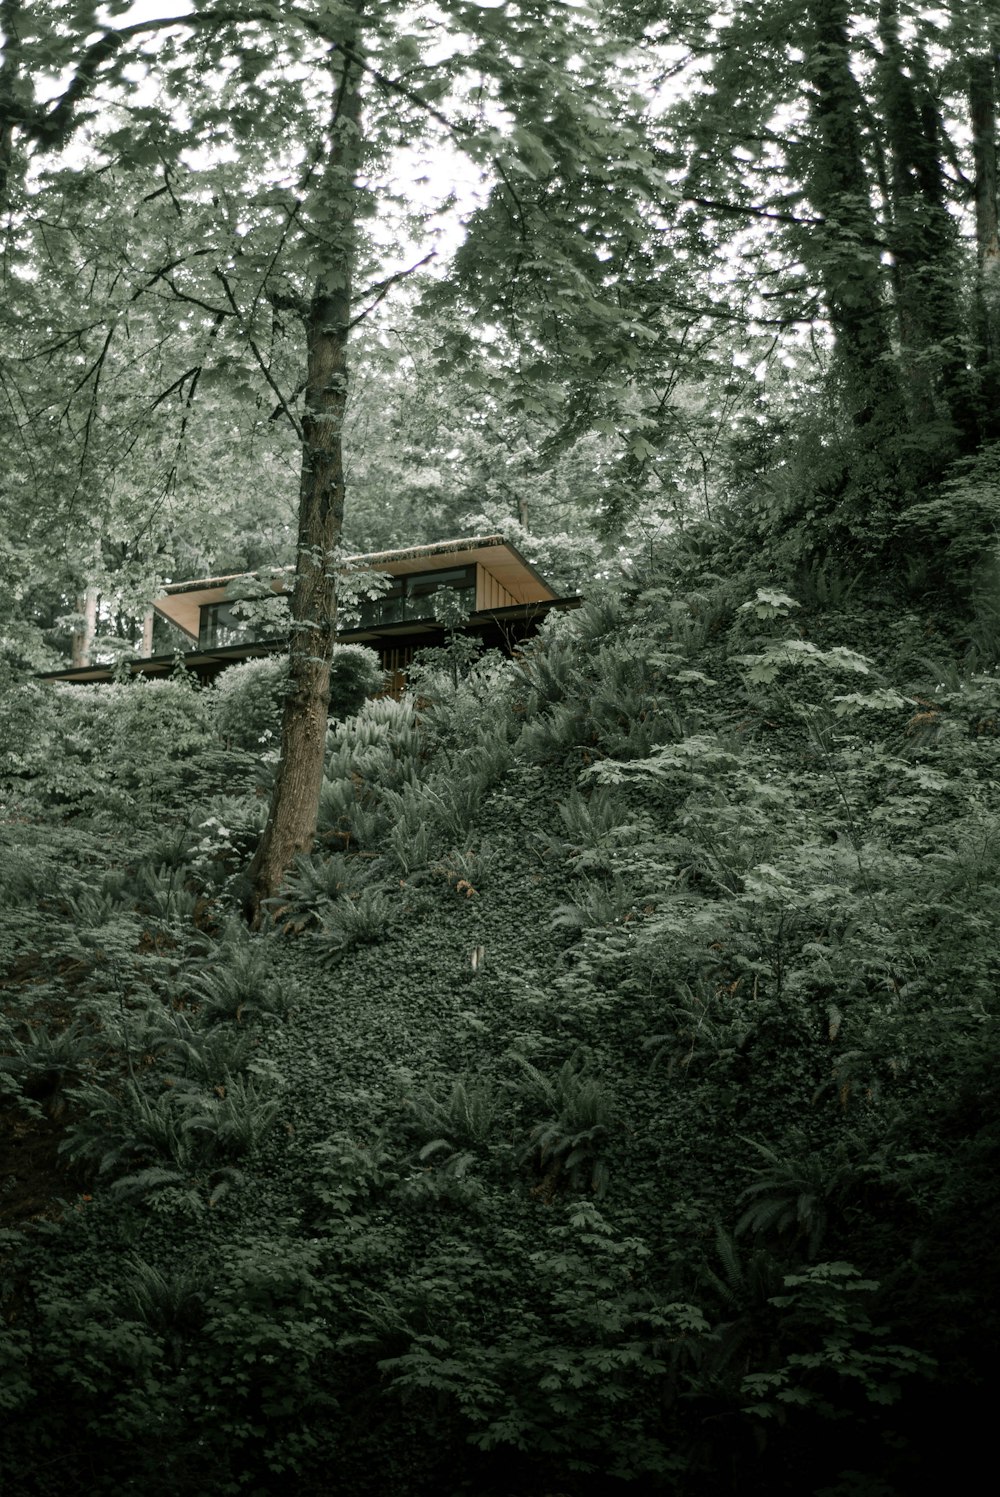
(569, 1144)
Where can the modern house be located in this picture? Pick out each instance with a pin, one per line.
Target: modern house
(505, 597)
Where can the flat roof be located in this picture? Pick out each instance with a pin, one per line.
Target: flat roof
(181, 602)
(405, 558)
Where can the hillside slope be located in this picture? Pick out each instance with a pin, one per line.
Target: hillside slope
(613, 1105)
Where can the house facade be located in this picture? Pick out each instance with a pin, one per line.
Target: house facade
(505, 600)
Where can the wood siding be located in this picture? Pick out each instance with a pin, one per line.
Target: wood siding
(490, 593)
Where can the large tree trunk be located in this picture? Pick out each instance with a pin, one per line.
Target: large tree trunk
(291, 823)
(923, 239)
(986, 327)
(850, 269)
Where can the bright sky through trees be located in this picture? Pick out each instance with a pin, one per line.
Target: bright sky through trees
(432, 177)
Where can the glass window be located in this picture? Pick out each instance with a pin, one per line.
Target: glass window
(219, 626)
(410, 597)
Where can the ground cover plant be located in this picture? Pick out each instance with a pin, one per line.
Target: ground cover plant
(608, 1104)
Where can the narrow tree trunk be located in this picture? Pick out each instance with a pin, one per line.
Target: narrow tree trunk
(146, 648)
(291, 824)
(986, 327)
(9, 108)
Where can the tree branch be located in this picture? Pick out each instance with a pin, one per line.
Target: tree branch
(186, 296)
(265, 371)
(178, 384)
(382, 288)
(741, 210)
(194, 374)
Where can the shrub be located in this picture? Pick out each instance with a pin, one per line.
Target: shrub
(27, 726)
(357, 920)
(248, 697)
(247, 701)
(128, 744)
(355, 675)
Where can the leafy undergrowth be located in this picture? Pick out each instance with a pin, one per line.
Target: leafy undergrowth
(612, 1105)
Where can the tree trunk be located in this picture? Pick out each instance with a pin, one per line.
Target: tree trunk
(146, 648)
(986, 321)
(9, 108)
(291, 823)
(849, 264)
(923, 240)
(83, 637)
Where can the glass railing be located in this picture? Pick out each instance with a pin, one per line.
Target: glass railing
(414, 599)
(411, 598)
